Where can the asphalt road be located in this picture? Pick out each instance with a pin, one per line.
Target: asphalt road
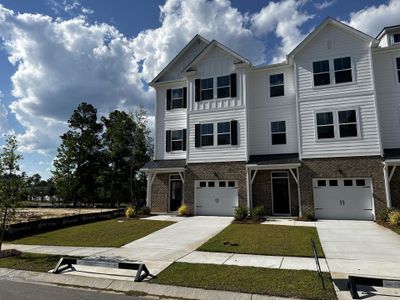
(12, 290)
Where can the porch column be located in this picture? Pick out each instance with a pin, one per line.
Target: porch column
(150, 178)
(387, 186)
(249, 189)
(297, 179)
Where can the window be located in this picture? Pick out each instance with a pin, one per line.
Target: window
(211, 184)
(321, 72)
(278, 133)
(207, 88)
(325, 126)
(222, 184)
(398, 68)
(176, 140)
(276, 85)
(177, 98)
(207, 134)
(348, 182)
(223, 86)
(360, 182)
(224, 133)
(396, 38)
(347, 123)
(203, 184)
(343, 71)
(280, 174)
(333, 182)
(321, 183)
(231, 183)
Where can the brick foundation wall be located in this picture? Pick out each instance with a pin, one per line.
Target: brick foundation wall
(160, 193)
(338, 168)
(262, 192)
(395, 188)
(214, 171)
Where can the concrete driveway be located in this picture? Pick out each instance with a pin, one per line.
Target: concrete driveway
(360, 247)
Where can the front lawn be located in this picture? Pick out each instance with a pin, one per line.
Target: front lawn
(265, 240)
(110, 233)
(30, 262)
(274, 282)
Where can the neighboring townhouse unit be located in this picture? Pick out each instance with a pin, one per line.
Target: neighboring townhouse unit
(315, 135)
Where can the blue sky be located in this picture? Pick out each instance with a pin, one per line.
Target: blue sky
(57, 53)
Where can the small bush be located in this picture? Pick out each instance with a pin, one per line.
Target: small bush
(384, 214)
(130, 212)
(257, 212)
(394, 217)
(241, 213)
(144, 210)
(183, 210)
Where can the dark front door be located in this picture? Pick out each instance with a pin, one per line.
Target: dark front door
(280, 196)
(175, 195)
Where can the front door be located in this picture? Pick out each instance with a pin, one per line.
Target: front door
(176, 192)
(280, 193)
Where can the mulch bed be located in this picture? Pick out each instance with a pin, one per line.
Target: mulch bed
(249, 221)
(9, 252)
(388, 225)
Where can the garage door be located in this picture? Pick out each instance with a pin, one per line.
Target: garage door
(216, 197)
(343, 198)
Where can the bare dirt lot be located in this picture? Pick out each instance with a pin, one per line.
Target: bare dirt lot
(31, 214)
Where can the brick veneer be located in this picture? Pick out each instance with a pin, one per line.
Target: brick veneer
(214, 171)
(262, 194)
(341, 167)
(395, 188)
(160, 193)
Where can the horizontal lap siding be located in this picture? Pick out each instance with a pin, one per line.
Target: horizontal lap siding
(388, 97)
(263, 110)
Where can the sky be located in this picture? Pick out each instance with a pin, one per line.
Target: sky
(55, 54)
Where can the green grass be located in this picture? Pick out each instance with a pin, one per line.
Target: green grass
(265, 240)
(274, 282)
(110, 233)
(30, 262)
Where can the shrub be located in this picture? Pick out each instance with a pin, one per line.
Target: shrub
(183, 210)
(144, 210)
(394, 217)
(129, 212)
(384, 214)
(257, 212)
(241, 213)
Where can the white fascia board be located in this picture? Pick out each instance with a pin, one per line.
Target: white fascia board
(273, 166)
(162, 170)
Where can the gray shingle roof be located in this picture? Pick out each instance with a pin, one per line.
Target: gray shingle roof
(165, 164)
(273, 159)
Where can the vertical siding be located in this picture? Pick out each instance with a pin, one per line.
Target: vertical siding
(388, 96)
(262, 110)
(359, 94)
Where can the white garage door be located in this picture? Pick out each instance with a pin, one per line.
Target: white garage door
(216, 197)
(343, 198)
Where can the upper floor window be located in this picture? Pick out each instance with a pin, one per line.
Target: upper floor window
(224, 133)
(398, 68)
(175, 140)
(223, 86)
(278, 133)
(207, 89)
(176, 98)
(396, 38)
(207, 134)
(343, 72)
(321, 72)
(276, 85)
(344, 120)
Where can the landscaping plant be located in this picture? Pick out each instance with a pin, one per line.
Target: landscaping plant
(394, 217)
(130, 212)
(241, 213)
(144, 210)
(183, 210)
(257, 212)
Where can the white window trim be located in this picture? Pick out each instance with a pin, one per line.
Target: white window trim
(215, 78)
(336, 124)
(269, 85)
(332, 73)
(207, 134)
(225, 86)
(172, 140)
(392, 38)
(223, 133)
(215, 136)
(271, 133)
(172, 98)
(213, 88)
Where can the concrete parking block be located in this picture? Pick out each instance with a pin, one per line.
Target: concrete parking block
(203, 257)
(255, 261)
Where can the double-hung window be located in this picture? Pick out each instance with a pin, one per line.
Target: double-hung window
(176, 98)
(325, 125)
(207, 134)
(224, 133)
(207, 88)
(223, 86)
(343, 72)
(176, 140)
(398, 68)
(278, 133)
(347, 123)
(276, 85)
(396, 38)
(321, 73)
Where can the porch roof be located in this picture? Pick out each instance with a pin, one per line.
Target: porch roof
(165, 165)
(392, 156)
(274, 159)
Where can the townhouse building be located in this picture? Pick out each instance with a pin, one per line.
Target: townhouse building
(316, 135)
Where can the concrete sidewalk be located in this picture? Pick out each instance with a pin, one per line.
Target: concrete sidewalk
(101, 284)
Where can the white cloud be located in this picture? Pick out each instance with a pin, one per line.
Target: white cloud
(71, 7)
(285, 19)
(324, 4)
(372, 19)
